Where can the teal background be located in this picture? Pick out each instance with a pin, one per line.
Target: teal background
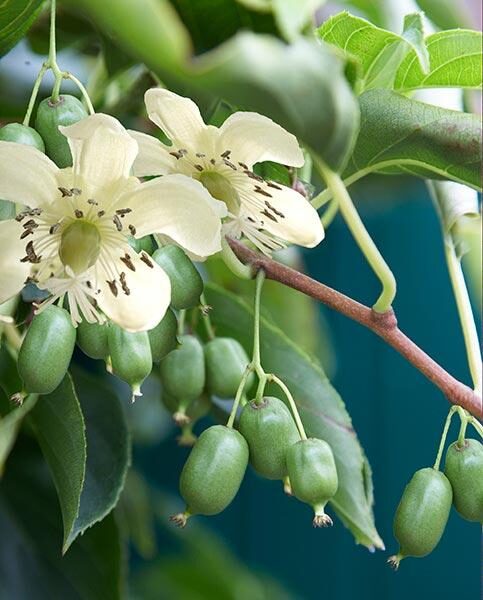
(397, 413)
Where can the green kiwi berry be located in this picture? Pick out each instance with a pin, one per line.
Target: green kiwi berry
(269, 430)
(226, 362)
(313, 476)
(22, 134)
(46, 350)
(183, 371)
(130, 355)
(50, 115)
(92, 339)
(162, 338)
(186, 282)
(422, 514)
(464, 469)
(213, 473)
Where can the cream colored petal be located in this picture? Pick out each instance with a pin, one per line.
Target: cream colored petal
(254, 138)
(179, 207)
(13, 273)
(103, 152)
(153, 157)
(293, 218)
(178, 117)
(149, 292)
(27, 176)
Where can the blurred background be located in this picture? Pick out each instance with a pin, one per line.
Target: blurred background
(263, 545)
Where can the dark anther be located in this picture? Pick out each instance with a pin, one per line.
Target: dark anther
(274, 185)
(26, 233)
(122, 279)
(251, 219)
(212, 161)
(199, 167)
(269, 215)
(259, 190)
(274, 210)
(30, 224)
(244, 166)
(177, 155)
(200, 155)
(117, 222)
(78, 213)
(126, 259)
(54, 228)
(113, 287)
(34, 212)
(183, 151)
(76, 191)
(253, 175)
(92, 201)
(144, 257)
(229, 164)
(89, 285)
(132, 229)
(101, 213)
(225, 154)
(123, 211)
(65, 192)
(20, 216)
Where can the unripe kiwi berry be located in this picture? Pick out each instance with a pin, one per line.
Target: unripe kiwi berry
(226, 362)
(186, 282)
(162, 338)
(92, 339)
(130, 355)
(213, 473)
(46, 350)
(183, 370)
(313, 476)
(269, 430)
(66, 111)
(22, 134)
(422, 514)
(464, 469)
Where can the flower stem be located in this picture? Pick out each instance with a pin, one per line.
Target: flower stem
(361, 236)
(233, 262)
(83, 91)
(181, 322)
(33, 95)
(238, 397)
(204, 309)
(293, 406)
(330, 213)
(52, 60)
(442, 442)
(464, 424)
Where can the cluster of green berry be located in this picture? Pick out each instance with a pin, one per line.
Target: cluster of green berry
(425, 505)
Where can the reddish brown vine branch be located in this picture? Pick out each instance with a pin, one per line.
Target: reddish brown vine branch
(384, 325)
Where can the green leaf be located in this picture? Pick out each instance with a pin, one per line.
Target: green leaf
(16, 16)
(108, 452)
(406, 62)
(454, 58)
(300, 86)
(403, 135)
(10, 380)
(31, 565)
(59, 426)
(10, 425)
(292, 16)
(321, 408)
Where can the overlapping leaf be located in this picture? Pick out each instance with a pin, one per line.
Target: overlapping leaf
(16, 16)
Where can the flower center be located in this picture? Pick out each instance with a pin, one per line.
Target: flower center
(80, 246)
(220, 188)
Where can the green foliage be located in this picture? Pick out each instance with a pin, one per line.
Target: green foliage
(16, 18)
(403, 135)
(407, 62)
(10, 423)
(321, 409)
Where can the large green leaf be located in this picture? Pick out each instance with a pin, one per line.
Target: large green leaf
(16, 16)
(321, 408)
(59, 426)
(108, 451)
(31, 565)
(406, 62)
(402, 135)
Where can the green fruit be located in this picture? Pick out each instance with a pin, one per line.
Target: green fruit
(92, 339)
(183, 371)
(66, 111)
(130, 355)
(270, 430)
(313, 476)
(186, 282)
(464, 469)
(22, 134)
(213, 473)
(163, 337)
(422, 514)
(46, 351)
(145, 243)
(226, 362)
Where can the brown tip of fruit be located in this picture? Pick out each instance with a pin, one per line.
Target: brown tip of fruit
(187, 437)
(18, 398)
(181, 418)
(393, 561)
(287, 487)
(322, 521)
(180, 519)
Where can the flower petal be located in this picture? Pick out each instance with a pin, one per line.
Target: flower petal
(102, 150)
(254, 138)
(27, 176)
(178, 117)
(153, 157)
(292, 219)
(13, 273)
(179, 207)
(149, 292)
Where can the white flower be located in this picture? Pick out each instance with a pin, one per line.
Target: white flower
(72, 237)
(222, 159)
